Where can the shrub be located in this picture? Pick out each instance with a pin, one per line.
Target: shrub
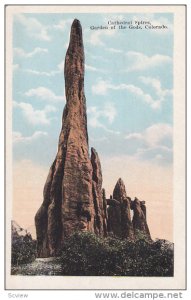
(86, 254)
(23, 249)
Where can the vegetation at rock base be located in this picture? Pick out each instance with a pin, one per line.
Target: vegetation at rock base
(85, 254)
(23, 249)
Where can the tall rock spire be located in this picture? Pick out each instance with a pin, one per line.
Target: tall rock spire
(68, 201)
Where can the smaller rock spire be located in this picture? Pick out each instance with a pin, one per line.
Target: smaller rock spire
(99, 216)
(139, 218)
(119, 217)
(119, 192)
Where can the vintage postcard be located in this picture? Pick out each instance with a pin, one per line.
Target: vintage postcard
(95, 147)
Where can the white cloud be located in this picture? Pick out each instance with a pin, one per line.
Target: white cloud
(95, 116)
(60, 69)
(94, 69)
(90, 68)
(134, 135)
(154, 135)
(159, 91)
(102, 87)
(95, 57)
(156, 84)
(96, 36)
(33, 27)
(63, 24)
(40, 73)
(35, 116)
(156, 143)
(157, 154)
(109, 112)
(19, 138)
(22, 53)
(99, 139)
(139, 61)
(113, 50)
(44, 94)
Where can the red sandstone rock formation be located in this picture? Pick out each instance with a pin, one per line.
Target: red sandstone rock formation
(105, 214)
(97, 193)
(119, 217)
(139, 218)
(68, 200)
(73, 195)
(114, 217)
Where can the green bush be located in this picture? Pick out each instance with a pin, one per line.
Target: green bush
(23, 249)
(86, 254)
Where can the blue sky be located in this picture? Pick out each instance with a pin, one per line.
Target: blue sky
(128, 85)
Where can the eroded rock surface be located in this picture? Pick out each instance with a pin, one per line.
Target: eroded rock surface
(119, 217)
(68, 200)
(139, 218)
(97, 193)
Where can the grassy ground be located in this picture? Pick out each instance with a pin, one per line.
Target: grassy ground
(41, 266)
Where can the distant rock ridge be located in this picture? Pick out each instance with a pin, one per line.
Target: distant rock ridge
(73, 198)
(17, 230)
